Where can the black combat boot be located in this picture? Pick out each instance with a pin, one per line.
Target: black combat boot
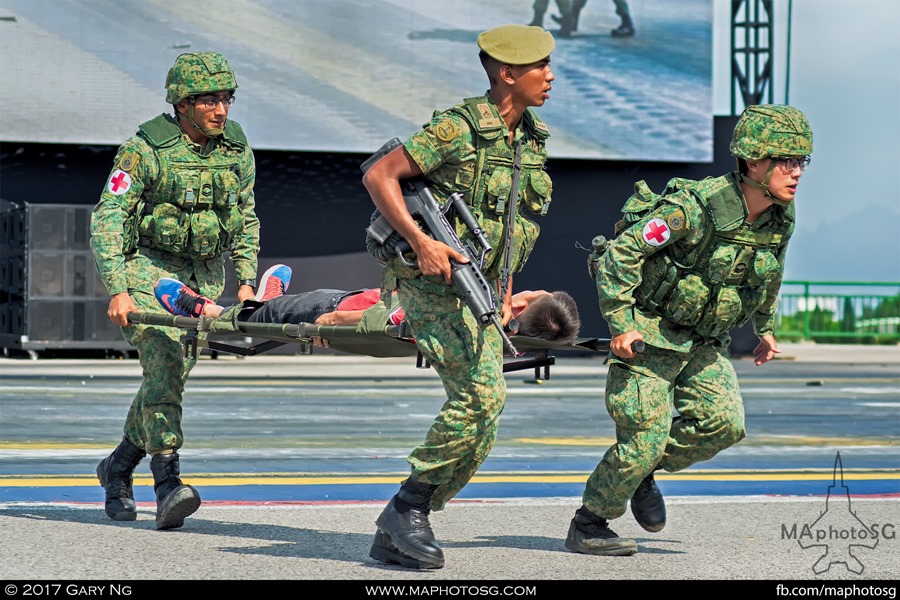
(590, 534)
(648, 506)
(404, 534)
(115, 475)
(174, 500)
(626, 29)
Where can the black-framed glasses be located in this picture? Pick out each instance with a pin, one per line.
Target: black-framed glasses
(792, 162)
(210, 102)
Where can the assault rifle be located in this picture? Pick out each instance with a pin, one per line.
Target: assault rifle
(435, 220)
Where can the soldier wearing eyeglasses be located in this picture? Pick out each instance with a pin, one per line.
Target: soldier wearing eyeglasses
(178, 200)
(687, 267)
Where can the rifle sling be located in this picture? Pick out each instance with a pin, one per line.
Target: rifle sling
(511, 221)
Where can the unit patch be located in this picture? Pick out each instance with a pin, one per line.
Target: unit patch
(487, 120)
(446, 130)
(119, 182)
(129, 159)
(656, 232)
(676, 220)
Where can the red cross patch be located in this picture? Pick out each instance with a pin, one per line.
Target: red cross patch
(119, 182)
(656, 232)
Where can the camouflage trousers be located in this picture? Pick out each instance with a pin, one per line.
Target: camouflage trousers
(701, 385)
(154, 419)
(469, 360)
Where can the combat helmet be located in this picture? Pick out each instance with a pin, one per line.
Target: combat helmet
(766, 130)
(771, 130)
(198, 73)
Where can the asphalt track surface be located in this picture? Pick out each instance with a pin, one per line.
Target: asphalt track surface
(295, 456)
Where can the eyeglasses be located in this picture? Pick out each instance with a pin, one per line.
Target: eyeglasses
(210, 102)
(792, 162)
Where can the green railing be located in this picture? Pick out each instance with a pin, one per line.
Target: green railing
(863, 312)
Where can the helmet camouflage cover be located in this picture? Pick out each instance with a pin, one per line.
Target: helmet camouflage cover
(198, 73)
(771, 130)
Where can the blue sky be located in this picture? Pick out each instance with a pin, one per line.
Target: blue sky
(845, 75)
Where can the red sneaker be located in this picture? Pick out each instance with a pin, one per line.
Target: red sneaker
(274, 283)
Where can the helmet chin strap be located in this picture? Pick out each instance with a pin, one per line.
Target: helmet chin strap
(764, 186)
(208, 132)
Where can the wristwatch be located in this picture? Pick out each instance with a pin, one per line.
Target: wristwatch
(250, 282)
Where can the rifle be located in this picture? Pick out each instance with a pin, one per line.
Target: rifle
(435, 220)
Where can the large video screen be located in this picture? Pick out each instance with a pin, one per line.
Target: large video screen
(346, 75)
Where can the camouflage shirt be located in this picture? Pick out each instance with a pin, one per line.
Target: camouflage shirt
(467, 149)
(686, 272)
(147, 201)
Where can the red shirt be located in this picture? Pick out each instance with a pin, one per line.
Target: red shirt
(367, 299)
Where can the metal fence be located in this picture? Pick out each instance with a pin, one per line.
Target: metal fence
(864, 312)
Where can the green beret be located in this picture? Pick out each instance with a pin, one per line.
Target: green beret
(517, 44)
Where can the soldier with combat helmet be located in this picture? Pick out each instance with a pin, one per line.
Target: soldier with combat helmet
(688, 266)
(491, 149)
(178, 200)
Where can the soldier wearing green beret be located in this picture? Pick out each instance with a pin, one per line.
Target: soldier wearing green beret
(474, 148)
(178, 200)
(688, 267)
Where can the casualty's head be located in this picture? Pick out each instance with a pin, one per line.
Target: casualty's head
(551, 316)
(201, 85)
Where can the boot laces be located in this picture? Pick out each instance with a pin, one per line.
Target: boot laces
(119, 486)
(419, 519)
(596, 528)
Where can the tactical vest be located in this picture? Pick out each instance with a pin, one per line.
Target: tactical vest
(486, 184)
(192, 209)
(720, 283)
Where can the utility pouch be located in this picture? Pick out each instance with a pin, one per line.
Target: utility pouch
(686, 304)
(723, 313)
(166, 228)
(538, 192)
(721, 263)
(765, 267)
(204, 234)
(498, 188)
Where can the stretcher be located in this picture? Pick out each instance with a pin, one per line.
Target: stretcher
(392, 341)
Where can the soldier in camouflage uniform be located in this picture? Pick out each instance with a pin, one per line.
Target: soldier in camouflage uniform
(179, 198)
(469, 148)
(690, 265)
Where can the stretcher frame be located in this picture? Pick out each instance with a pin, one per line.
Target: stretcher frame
(392, 341)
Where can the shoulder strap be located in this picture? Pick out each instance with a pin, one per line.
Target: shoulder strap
(468, 111)
(725, 204)
(483, 116)
(160, 131)
(234, 133)
(537, 128)
(511, 220)
(716, 197)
